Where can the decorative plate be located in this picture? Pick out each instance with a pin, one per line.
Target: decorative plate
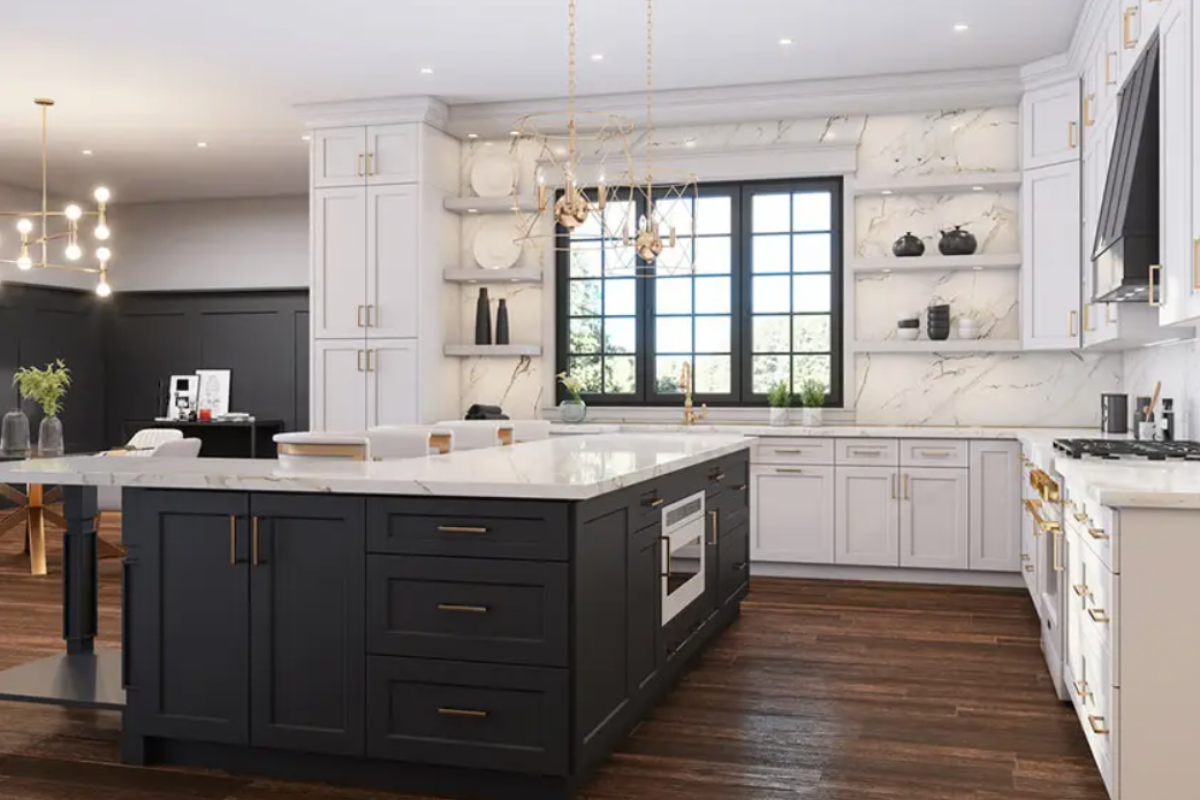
(493, 175)
(494, 246)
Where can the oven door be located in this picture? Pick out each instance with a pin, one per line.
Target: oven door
(683, 555)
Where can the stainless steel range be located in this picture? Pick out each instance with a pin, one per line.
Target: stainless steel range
(1128, 449)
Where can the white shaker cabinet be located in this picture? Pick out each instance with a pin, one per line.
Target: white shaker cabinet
(933, 518)
(339, 263)
(1052, 254)
(391, 262)
(868, 520)
(391, 154)
(995, 507)
(1050, 125)
(339, 379)
(792, 514)
(391, 378)
(338, 157)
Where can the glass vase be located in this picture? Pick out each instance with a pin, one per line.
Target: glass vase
(14, 437)
(572, 412)
(50, 437)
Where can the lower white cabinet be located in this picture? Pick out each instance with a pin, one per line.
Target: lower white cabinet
(359, 384)
(867, 529)
(933, 518)
(995, 511)
(792, 514)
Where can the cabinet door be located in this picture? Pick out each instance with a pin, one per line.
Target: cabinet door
(1050, 125)
(995, 507)
(392, 283)
(1050, 279)
(339, 263)
(1111, 66)
(792, 514)
(308, 623)
(933, 518)
(643, 608)
(392, 154)
(339, 386)
(867, 529)
(1180, 292)
(392, 383)
(338, 157)
(189, 632)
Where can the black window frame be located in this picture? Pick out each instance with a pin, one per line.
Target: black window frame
(742, 373)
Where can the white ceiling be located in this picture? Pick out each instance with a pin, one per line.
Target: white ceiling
(140, 82)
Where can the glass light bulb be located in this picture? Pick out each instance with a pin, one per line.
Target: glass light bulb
(601, 179)
(101, 194)
(102, 288)
(103, 254)
(24, 225)
(73, 252)
(541, 178)
(74, 212)
(25, 262)
(102, 232)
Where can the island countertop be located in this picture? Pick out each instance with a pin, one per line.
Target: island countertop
(561, 468)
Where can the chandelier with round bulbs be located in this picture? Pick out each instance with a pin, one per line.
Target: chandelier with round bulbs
(36, 239)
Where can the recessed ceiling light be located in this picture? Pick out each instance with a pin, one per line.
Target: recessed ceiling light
(886, 192)
(87, 152)
(887, 271)
(202, 145)
(830, 135)
(472, 135)
(785, 41)
(306, 137)
(597, 56)
(977, 269)
(514, 133)
(962, 27)
(690, 143)
(426, 70)
(472, 210)
(976, 188)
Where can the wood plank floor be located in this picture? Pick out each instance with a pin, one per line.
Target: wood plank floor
(822, 691)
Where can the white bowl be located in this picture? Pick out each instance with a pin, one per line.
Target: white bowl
(907, 334)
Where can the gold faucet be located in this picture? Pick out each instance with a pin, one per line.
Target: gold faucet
(690, 414)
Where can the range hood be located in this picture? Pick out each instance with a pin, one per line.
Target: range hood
(1127, 231)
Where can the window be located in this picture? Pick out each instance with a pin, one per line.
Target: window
(763, 305)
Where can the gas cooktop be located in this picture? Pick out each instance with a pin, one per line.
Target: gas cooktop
(1122, 449)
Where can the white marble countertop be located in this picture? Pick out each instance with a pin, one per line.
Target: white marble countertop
(562, 468)
(836, 431)
(1133, 484)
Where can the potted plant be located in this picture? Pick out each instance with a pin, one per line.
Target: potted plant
(46, 387)
(574, 410)
(812, 399)
(779, 399)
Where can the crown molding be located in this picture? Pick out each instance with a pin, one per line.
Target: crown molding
(879, 94)
(1054, 69)
(1095, 14)
(375, 111)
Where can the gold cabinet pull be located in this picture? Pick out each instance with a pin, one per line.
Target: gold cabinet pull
(462, 608)
(1087, 110)
(460, 529)
(1057, 532)
(358, 315)
(655, 503)
(1082, 590)
(1099, 615)
(369, 367)
(254, 543)
(461, 712)
(358, 360)
(1196, 264)
(1041, 525)
(893, 482)
(1098, 726)
(1087, 317)
(907, 486)
(1025, 557)
(1081, 688)
(1029, 568)
(232, 540)
(715, 517)
(935, 453)
(1154, 299)
(1127, 29)
(1098, 534)
(371, 316)
(1081, 516)
(1108, 314)
(1072, 316)
(1108, 76)
(1071, 141)
(370, 163)
(790, 470)
(359, 170)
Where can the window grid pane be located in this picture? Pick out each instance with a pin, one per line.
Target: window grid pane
(602, 341)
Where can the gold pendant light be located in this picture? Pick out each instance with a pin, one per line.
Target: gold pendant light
(72, 215)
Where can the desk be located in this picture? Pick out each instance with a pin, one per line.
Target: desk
(252, 438)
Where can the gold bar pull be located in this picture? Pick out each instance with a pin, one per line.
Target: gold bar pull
(790, 470)
(369, 367)
(232, 540)
(1087, 111)
(254, 543)
(461, 712)
(1058, 567)
(359, 170)
(715, 518)
(1097, 533)
(459, 529)
(358, 360)
(892, 480)
(1081, 688)
(655, 503)
(907, 486)
(466, 609)
(1099, 615)
(1087, 318)
(1127, 29)
(1098, 726)
(1082, 590)
(370, 163)
(1108, 314)
(1196, 264)
(358, 315)
(1108, 77)
(1029, 568)
(1072, 316)
(1071, 126)
(1025, 557)
(1080, 516)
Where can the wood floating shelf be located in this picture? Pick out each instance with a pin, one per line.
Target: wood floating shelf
(936, 263)
(947, 346)
(953, 183)
(491, 205)
(478, 275)
(492, 350)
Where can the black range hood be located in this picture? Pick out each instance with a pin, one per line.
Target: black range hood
(1127, 231)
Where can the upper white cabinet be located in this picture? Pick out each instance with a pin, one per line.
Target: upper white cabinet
(391, 262)
(995, 507)
(391, 154)
(358, 156)
(339, 263)
(1052, 257)
(792, 514)
(1050, 125)
(338, 157)
(933, 518)
(868, 525)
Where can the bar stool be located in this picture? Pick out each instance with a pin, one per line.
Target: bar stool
(478, 434)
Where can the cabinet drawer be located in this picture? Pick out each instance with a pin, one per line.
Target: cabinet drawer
(733, 563)
(867, 452)
(1097, 527)
(1098, 729)
(782, 450)
(1098, 589)
(468, 527)
(728, 475)
(933, 453)
(483, 716)
(513, 612)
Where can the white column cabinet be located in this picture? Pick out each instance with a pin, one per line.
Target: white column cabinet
(933, 518)
(391, 154)
(391, 377)
(1050, 273)
(792, 514)
(339, 263)
(1050, 125)
(391, 261)
(339, 399)
(867, 529)
(338, 157)
(995, 509)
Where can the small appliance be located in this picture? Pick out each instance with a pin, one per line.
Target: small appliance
(683, 556)
(1114, 413)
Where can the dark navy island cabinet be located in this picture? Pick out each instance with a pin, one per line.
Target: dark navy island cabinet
(469, 647)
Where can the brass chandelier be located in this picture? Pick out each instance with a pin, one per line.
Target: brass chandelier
(72, 215)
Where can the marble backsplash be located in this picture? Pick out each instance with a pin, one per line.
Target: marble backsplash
(1178, 367)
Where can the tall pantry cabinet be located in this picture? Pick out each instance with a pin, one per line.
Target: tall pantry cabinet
(380, 312)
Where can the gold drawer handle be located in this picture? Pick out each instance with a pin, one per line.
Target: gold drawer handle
(467, 609)
(790, 470)
(458, 529)
(655, 503)
(720, 476)
(1098, 726)
(1029, 568)
(935, 453)
(1196, 264)
(1071, 143)
(1081, 688)
(1108, 76)
(1043, 525)
(859, 452)
(1082, 590)
(1080, 516)
(1099, 615)
(1127, 28)
(716, 526)
(743, 487)
(1097, 533)
(1025, 557)
(461, 712)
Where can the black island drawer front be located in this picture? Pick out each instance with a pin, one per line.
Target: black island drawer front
(468, 609)
(733, 563)
(514, 529)
(481, 716)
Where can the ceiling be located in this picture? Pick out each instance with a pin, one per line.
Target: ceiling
(141, 82)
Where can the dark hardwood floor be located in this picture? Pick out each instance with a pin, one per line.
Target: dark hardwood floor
(822, 691)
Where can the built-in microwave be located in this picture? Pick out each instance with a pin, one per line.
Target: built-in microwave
(683, 555)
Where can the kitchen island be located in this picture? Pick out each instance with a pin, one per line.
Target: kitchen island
(488, 623)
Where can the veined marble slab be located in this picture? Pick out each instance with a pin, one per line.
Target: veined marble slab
(1133, 484)
(1045, 435)
(572, 468)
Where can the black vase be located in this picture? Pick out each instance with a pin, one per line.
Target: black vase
(957, 242)
(483, 319)
(908, 246)
(502, 323)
